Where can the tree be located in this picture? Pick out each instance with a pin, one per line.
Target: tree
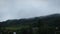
(39, 26)
(30, 27)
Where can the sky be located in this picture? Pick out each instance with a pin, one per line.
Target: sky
(17, 9)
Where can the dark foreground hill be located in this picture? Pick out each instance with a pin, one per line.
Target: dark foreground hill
(37, 25)
(53, 19)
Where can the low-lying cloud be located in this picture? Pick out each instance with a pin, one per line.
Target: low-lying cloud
(16, 9)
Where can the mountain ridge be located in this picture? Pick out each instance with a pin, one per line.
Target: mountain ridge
(30, 20)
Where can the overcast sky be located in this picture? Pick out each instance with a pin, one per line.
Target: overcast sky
(16, 9)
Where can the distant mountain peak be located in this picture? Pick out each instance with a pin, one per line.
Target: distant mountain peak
(55, 14)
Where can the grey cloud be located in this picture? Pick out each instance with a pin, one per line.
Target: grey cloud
(15, 9)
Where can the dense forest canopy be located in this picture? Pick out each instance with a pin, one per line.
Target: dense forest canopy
(51, 19)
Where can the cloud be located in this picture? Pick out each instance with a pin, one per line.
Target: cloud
(16, 9)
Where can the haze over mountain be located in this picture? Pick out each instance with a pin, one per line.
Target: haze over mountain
(52, 20)
(16, 9)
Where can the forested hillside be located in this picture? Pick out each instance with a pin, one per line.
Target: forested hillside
(49, 19)
(36, 24)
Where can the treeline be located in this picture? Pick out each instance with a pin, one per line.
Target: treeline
(37, 25)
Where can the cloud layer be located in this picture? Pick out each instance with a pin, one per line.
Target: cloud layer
(15, 9)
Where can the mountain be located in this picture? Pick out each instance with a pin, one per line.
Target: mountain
(53, 19)
(19, 22)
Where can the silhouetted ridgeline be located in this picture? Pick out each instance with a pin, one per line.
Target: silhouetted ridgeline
(41, 24)
(50, 19)
(20, 21)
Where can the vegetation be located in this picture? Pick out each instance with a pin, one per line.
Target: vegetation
(37, 25)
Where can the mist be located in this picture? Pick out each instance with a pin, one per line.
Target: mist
(17, 9)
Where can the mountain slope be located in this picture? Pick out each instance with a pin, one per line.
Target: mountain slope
(53, 19)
